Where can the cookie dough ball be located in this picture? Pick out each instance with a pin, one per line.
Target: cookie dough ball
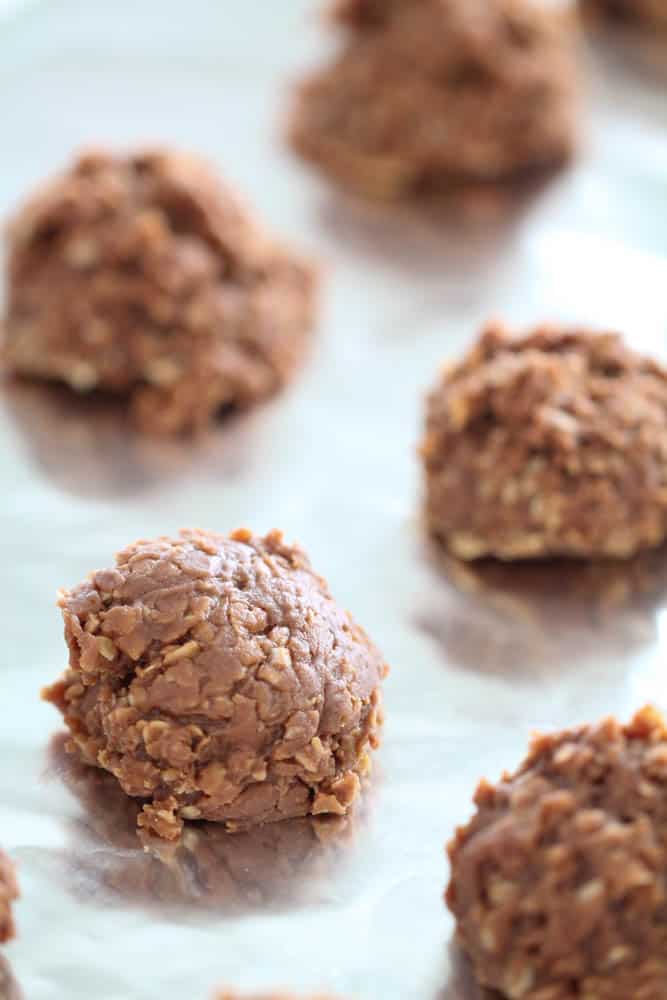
(216, 678)
(558, 883)
(146, 277)
(646, 13)
(549, 444)
(427, 93)
(9, 891)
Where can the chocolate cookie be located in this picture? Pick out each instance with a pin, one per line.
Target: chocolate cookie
(9, 891)
(559, 881)
(216, 678)
(426, 93)
(146, 277)
(549, 444)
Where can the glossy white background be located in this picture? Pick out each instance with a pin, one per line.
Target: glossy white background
(333, 463)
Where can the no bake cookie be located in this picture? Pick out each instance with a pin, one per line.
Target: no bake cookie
(549, 444)
(217, 679)
(559, 881)
(147, 277)
(429, 92)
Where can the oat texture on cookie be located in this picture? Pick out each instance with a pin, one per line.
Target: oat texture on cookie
(558, 882)
(549, 444)
(217, 679)
(147, 277)
(429, 93)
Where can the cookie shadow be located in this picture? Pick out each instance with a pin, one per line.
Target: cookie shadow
(86, 446)
(274, 867)
(544, 617)
(441, 235)
(9, 987)
(627, 58)
(461, 983)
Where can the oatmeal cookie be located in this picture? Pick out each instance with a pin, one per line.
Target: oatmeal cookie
(549, 444)
(217, 679)
(559, 881)
(146, 277)
(428, 93)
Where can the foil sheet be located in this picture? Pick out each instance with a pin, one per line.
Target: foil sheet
(480, 656)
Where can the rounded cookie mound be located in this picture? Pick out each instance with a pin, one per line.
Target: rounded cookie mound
(9, 891)
(430, 92)
(217, 678)
(147, 277)
(549, 444)
(559, 882)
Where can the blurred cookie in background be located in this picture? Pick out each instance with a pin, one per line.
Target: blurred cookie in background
(147, 277)
(426, 94)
